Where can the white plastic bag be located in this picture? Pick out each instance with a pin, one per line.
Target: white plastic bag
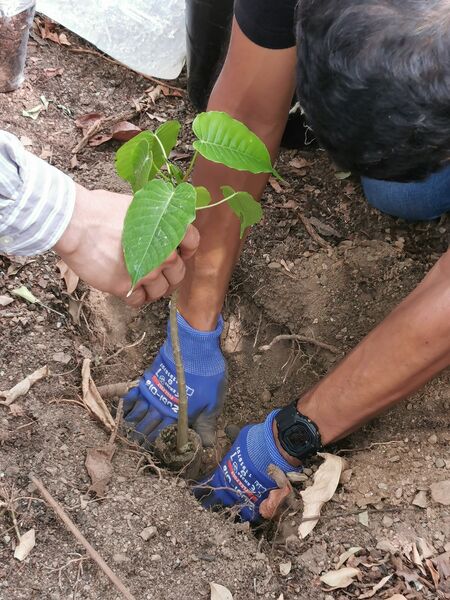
(146, 35)
(10, 8)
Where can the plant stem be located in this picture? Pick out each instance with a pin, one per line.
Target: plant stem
(191, 166)
(217, 203)
(182, 427)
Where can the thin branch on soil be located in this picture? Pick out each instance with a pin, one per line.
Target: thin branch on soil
(122, 348)
(70, 525)
(112, 390)
(312, 232)
(300, 338)
(182, 426)
(369, 447)
(119, 415)
(115, 62)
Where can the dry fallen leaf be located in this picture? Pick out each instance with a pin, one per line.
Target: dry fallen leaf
(397, 597)
(325, 483)
(71, 279)
(99, 139)
(299, 163)
(220, 592)
(92, 399)
(346, 555)
(124, 131)
(5, 300)
(21, 388)
(99, 467)
(85, 122)
(440, 492)
(274, 184)
(25, 545)
(75, 307)
(376, 587)
(53, 71)
(341, 578)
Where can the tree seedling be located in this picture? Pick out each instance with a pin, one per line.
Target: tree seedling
(165, 203)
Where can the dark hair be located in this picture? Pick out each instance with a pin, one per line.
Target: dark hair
(374, 82)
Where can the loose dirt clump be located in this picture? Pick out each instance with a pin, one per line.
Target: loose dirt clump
(330, 284)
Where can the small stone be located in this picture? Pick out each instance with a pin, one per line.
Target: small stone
(382, 486)
(420, 499)
(260, 556)
(386, 546)
(266, 396)
(61, 357)
(387, 521)
(148, 533)
(155, 557)
(120, 558)
(394, 459)
(285, 568)
(440, 492)
(409, 406)
(274, 265)
(439, 463)
(398, 493)
(433, 439)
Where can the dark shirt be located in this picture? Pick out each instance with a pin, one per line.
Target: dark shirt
(267, 23)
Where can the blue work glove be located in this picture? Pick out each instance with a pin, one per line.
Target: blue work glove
(241, 478)
(153, 404)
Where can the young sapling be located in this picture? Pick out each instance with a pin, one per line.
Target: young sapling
(165, 203)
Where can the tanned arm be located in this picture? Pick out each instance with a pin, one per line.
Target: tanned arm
(256, 86)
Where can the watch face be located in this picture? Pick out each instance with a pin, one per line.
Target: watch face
(298, 436)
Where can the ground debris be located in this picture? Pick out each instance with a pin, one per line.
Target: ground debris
(92, 399)
(326, 481)
(21, 388)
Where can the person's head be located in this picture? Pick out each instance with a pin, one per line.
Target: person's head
(374, 82)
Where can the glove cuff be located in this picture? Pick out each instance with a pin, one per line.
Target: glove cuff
(262, 449)
(200, 350)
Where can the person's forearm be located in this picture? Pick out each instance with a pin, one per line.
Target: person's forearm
(240, 91)
(407, 349)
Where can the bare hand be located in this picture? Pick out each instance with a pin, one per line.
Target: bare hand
(91, 246)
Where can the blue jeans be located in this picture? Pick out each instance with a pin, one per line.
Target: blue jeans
(416, 201)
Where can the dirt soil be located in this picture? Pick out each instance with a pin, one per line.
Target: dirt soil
(334, 289)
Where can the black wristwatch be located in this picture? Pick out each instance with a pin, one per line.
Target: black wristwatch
(298, 435)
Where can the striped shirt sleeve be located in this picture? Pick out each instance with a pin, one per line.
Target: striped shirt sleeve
(36, 200)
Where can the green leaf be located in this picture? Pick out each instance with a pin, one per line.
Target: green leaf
(176, 172)
(167, 134)
(143, 161)
(129, 157)
(203, 197)
(225, 140)
(155, 224)
(244, 206)
(23, 292)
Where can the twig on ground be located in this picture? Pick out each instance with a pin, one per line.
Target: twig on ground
(312, 232)
(300, 338)
(119, 415)
(70, 525)
(122, 348)
(112, 390)
(116, 62)
(369, 447)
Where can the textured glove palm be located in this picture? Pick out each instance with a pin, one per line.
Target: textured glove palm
(241, 479)
(153, 404)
